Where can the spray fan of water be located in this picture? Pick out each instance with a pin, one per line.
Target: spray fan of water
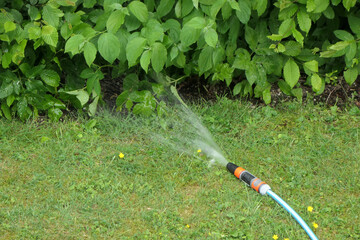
(185, 133)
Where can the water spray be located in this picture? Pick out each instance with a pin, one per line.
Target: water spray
(264, 189)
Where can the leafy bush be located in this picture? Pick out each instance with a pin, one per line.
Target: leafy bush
(54, 53)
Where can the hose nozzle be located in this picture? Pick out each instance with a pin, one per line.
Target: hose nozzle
(252, 181)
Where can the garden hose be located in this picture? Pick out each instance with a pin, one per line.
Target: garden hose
(263, 188)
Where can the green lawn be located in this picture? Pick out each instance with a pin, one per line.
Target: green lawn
(66, 180)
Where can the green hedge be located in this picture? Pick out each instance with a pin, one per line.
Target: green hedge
(54, 53)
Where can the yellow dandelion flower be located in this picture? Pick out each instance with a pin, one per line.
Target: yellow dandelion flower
(310, 208)
(286, 239)
(199, 150)
(315, 225)
(121, 155)
(187, 225)
(275, 237)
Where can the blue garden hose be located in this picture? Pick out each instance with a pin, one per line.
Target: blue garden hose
(263, 188)
(293, 213)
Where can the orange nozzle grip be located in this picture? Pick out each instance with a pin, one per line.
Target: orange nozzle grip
(238, 171)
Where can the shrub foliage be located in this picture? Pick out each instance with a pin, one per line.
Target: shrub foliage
(54, 53)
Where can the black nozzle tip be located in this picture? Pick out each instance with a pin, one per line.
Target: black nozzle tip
(231, 167)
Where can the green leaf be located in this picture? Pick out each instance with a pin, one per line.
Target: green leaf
(93, 83)
(211, 37)
(328, 54)
(286, 27)
(298, 36)
(54, 114)
(109, 47)
(329, 13)
(196, 23)
(81, 95)
(245, 11)
(291, 73)
(5, 38)
(122, 98)
(131, 82)
(6, 110)
(174, 52)
(34, 13)
(343, 35)
(9, 26)
(174, 28)
(237, 89)
(316, 6)
(93, 106)
(242, 59)
(66, 31)
(252, 73)
(316, 82)
(215, 8)
(261, 6)
(145, 60)
(186, 7)
(89, 53)
(140, 96)
(139, 10)
(218, 56)
(234, 4)
(129, 104)
(143, 108)
(275, 37)
(134, 49)
(6, 59)
(251, 37)
(178, 9)
(51, 15)
(50, 77)
(298, 93)
(189, 35)
(181, 60)
(349, 4)
(205, 59)
(339, 45)
(192, 30)
(312, 65)
(292, 48)
(284, 87)
(50, 35)
(115, 21)
(226, 11)
(287, 12)
(10, 99)
(354, 23)
(23, 109)
(266, 95)
(164, 7)
(132, 23)
(153, 31)
(6, 90)
(72, 45)
(34, 33)
(351, 52)
(158, 56)
(304, 20)
(351, 75)
(196, 3)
